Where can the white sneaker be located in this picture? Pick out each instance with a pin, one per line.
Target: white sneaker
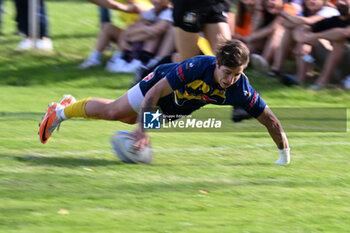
(116, 65)
(347, 82)
(259, 63)
(132, 66)
(88, 63)
(25, 44)
(45, 44)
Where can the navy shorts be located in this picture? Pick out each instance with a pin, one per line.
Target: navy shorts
(192, 15)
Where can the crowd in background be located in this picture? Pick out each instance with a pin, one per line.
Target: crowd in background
(312, 34)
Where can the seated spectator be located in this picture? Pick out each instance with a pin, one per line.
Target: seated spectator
(336, 30)
(314, 11)
(139, 42)
(44, 43)
(243, 20)
(125, 15)
(266, 37)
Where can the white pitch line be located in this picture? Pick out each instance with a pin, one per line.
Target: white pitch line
(195, 149)
(258, 145)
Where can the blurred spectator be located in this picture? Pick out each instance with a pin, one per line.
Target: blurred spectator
(140, 41)
(266, 35)
(105, 15)
(336, 30)
(152, 25)
(1, 12)
(314, 11)
(125, 15)
(243, 21)
(22, 18)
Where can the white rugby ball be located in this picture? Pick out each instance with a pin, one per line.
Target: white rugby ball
(122, 143)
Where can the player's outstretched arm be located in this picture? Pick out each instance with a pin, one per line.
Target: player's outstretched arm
(273, 125)
(162, 88)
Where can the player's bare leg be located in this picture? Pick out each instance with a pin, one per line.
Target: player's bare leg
(114, 110)
(94, 108)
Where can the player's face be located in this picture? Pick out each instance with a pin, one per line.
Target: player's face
(227, 76)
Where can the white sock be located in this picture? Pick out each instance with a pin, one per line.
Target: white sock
(284, 157)
(60, 113)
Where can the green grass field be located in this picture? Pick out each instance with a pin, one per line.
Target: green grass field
(199, 182)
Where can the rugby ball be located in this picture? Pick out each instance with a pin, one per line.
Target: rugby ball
(122, 143)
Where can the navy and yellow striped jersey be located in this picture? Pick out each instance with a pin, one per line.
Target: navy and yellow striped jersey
(192, 82)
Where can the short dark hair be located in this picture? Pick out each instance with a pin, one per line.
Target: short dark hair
(232, 53)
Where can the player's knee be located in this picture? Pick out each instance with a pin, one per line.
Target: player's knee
(111, 114)
(130, 120)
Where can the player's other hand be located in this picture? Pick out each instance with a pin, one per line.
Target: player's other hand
(141, 139)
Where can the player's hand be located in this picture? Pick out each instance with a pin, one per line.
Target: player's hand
(141, 139)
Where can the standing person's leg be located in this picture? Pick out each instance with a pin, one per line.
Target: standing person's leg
(213, 30)
(215, 23)
(44, 42)
(43, 20)
(23, 25)
(105, 15)
(187, 24)
(186, 44)
(22, 16)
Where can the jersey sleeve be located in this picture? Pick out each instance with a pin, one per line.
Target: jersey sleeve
(251, 100)
(186, 72)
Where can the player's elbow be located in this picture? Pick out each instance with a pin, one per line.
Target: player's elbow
(269, 120)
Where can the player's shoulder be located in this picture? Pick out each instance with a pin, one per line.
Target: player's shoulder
(200, 62)
(243, 81)
(241, 86)
(204, 58)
